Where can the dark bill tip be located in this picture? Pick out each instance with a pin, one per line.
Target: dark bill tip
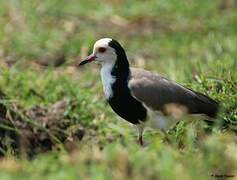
(83, 62)
(90, 58)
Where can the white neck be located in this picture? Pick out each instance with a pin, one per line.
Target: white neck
(107, 79)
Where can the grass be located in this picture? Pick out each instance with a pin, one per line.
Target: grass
(191, 42)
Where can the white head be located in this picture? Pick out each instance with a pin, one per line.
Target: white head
(110, 54)
(103, 53)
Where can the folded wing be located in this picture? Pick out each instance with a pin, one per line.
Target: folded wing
(164, 95)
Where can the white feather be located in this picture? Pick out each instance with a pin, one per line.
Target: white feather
(156, 120)
(102, 42)
(107, 79)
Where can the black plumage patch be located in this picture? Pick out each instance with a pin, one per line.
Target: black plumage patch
(122, 102)
(128, 108)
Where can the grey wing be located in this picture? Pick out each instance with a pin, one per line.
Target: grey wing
(157, 92)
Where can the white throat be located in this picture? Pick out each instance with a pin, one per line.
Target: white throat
(107, 79)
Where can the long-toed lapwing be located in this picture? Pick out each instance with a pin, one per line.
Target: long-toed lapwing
(138, 95)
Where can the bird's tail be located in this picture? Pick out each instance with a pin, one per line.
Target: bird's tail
(207, 105)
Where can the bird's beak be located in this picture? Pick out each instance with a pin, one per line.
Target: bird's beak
(88, 59)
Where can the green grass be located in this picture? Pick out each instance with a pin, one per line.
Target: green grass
(191, 42)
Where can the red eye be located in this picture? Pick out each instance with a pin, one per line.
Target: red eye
(102, 49)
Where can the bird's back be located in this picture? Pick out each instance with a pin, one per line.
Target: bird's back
(163, 95)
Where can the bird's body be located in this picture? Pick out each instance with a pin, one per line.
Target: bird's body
(138, 95)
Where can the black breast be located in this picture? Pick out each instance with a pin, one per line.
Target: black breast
(122, 102)
(128, 108)
(125, 105)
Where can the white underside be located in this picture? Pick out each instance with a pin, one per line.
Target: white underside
(158, 121)
(155, 120)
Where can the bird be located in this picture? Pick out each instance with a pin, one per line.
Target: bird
(138, 95)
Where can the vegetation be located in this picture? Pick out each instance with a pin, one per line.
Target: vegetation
(55, 123)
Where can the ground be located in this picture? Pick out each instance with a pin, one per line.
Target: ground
(55, 122)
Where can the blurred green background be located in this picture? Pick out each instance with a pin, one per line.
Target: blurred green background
(191, 42)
